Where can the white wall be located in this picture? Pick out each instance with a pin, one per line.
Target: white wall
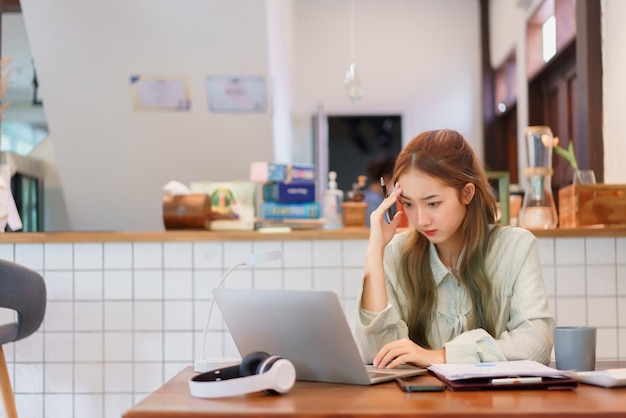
(614, 89)
(113, 160)
(419, 58)
(507, 26)
(508, 33)
(280, 52)
(416, 57)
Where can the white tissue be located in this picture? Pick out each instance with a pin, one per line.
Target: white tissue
(176, 188)
(8, 210)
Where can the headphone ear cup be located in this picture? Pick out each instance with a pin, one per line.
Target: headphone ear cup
(264, 367)
(250, 364)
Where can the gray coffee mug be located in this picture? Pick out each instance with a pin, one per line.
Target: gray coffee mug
(575, 348)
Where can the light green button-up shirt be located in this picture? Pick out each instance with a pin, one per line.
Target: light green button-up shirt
(524, 324)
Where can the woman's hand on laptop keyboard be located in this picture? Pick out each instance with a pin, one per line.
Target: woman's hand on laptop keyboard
(406, 351)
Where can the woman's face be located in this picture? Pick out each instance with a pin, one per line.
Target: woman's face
(432, 208)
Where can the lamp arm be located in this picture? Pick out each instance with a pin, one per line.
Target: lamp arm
(208, 319)
(250, 261)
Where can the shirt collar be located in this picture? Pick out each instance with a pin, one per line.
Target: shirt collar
(439, 269)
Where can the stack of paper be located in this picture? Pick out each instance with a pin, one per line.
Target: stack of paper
(452, 371)
(518, 374)
(611, 378)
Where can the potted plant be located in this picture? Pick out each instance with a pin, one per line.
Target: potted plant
(580, 176)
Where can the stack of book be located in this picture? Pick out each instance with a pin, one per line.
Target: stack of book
(288, 195)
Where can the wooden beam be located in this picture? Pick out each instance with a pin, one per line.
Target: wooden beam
(588, 111)
(489, 125)
(10, 6)
(1, 11)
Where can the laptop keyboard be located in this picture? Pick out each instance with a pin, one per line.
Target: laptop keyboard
(378, 374)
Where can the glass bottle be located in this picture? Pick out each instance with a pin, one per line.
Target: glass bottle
(538, 210)
(332, 209)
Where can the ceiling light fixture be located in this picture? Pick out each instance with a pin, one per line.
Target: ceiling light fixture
(352, 82)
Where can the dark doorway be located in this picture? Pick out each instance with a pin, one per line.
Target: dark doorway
(354, 141)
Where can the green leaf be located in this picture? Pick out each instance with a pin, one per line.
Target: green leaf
(568, 154)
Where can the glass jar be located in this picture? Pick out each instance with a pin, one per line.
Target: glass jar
(538, 210)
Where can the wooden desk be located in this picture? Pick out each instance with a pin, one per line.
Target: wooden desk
(384, 400)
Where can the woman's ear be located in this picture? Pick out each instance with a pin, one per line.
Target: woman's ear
(467, 194)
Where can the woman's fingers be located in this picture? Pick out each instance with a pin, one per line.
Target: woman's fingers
(405, 351)
(399, 352)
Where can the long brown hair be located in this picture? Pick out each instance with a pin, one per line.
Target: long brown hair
(446, 155)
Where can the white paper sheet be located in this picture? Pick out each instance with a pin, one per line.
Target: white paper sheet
(458, 371)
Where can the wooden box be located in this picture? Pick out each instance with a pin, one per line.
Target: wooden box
(191, 211)
(592, 204)
(354, 213)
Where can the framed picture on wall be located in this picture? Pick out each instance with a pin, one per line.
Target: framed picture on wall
(231, 94)
(160, 93)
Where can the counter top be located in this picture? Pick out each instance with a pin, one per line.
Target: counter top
(193, 235)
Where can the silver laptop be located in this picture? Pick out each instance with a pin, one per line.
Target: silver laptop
(307, 327)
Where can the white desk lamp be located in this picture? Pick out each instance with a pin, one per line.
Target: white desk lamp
(205, 364)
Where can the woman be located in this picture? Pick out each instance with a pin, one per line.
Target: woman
(455, 287)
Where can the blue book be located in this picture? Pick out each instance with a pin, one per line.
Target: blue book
(292, 192)
(263, 172)
(273, 210)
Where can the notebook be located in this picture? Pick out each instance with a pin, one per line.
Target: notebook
(515, 374)
(536, 382)
(307, 327)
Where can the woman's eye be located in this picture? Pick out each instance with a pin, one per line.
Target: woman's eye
(406, 204)
(433, 204)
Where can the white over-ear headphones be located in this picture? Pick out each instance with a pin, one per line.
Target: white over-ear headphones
(258, 371)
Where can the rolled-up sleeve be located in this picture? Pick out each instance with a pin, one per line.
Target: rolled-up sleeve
(375, 329)
(475, 346)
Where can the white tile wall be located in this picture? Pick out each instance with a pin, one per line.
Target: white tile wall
(620, 252)
(589, 274)
(122, 318)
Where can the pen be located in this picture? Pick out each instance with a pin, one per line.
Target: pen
(515, 380)
(389, 212)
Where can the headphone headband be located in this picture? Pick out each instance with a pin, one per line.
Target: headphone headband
(274, 374)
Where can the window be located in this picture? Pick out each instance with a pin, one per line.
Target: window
(548, 38)
(549, 30)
